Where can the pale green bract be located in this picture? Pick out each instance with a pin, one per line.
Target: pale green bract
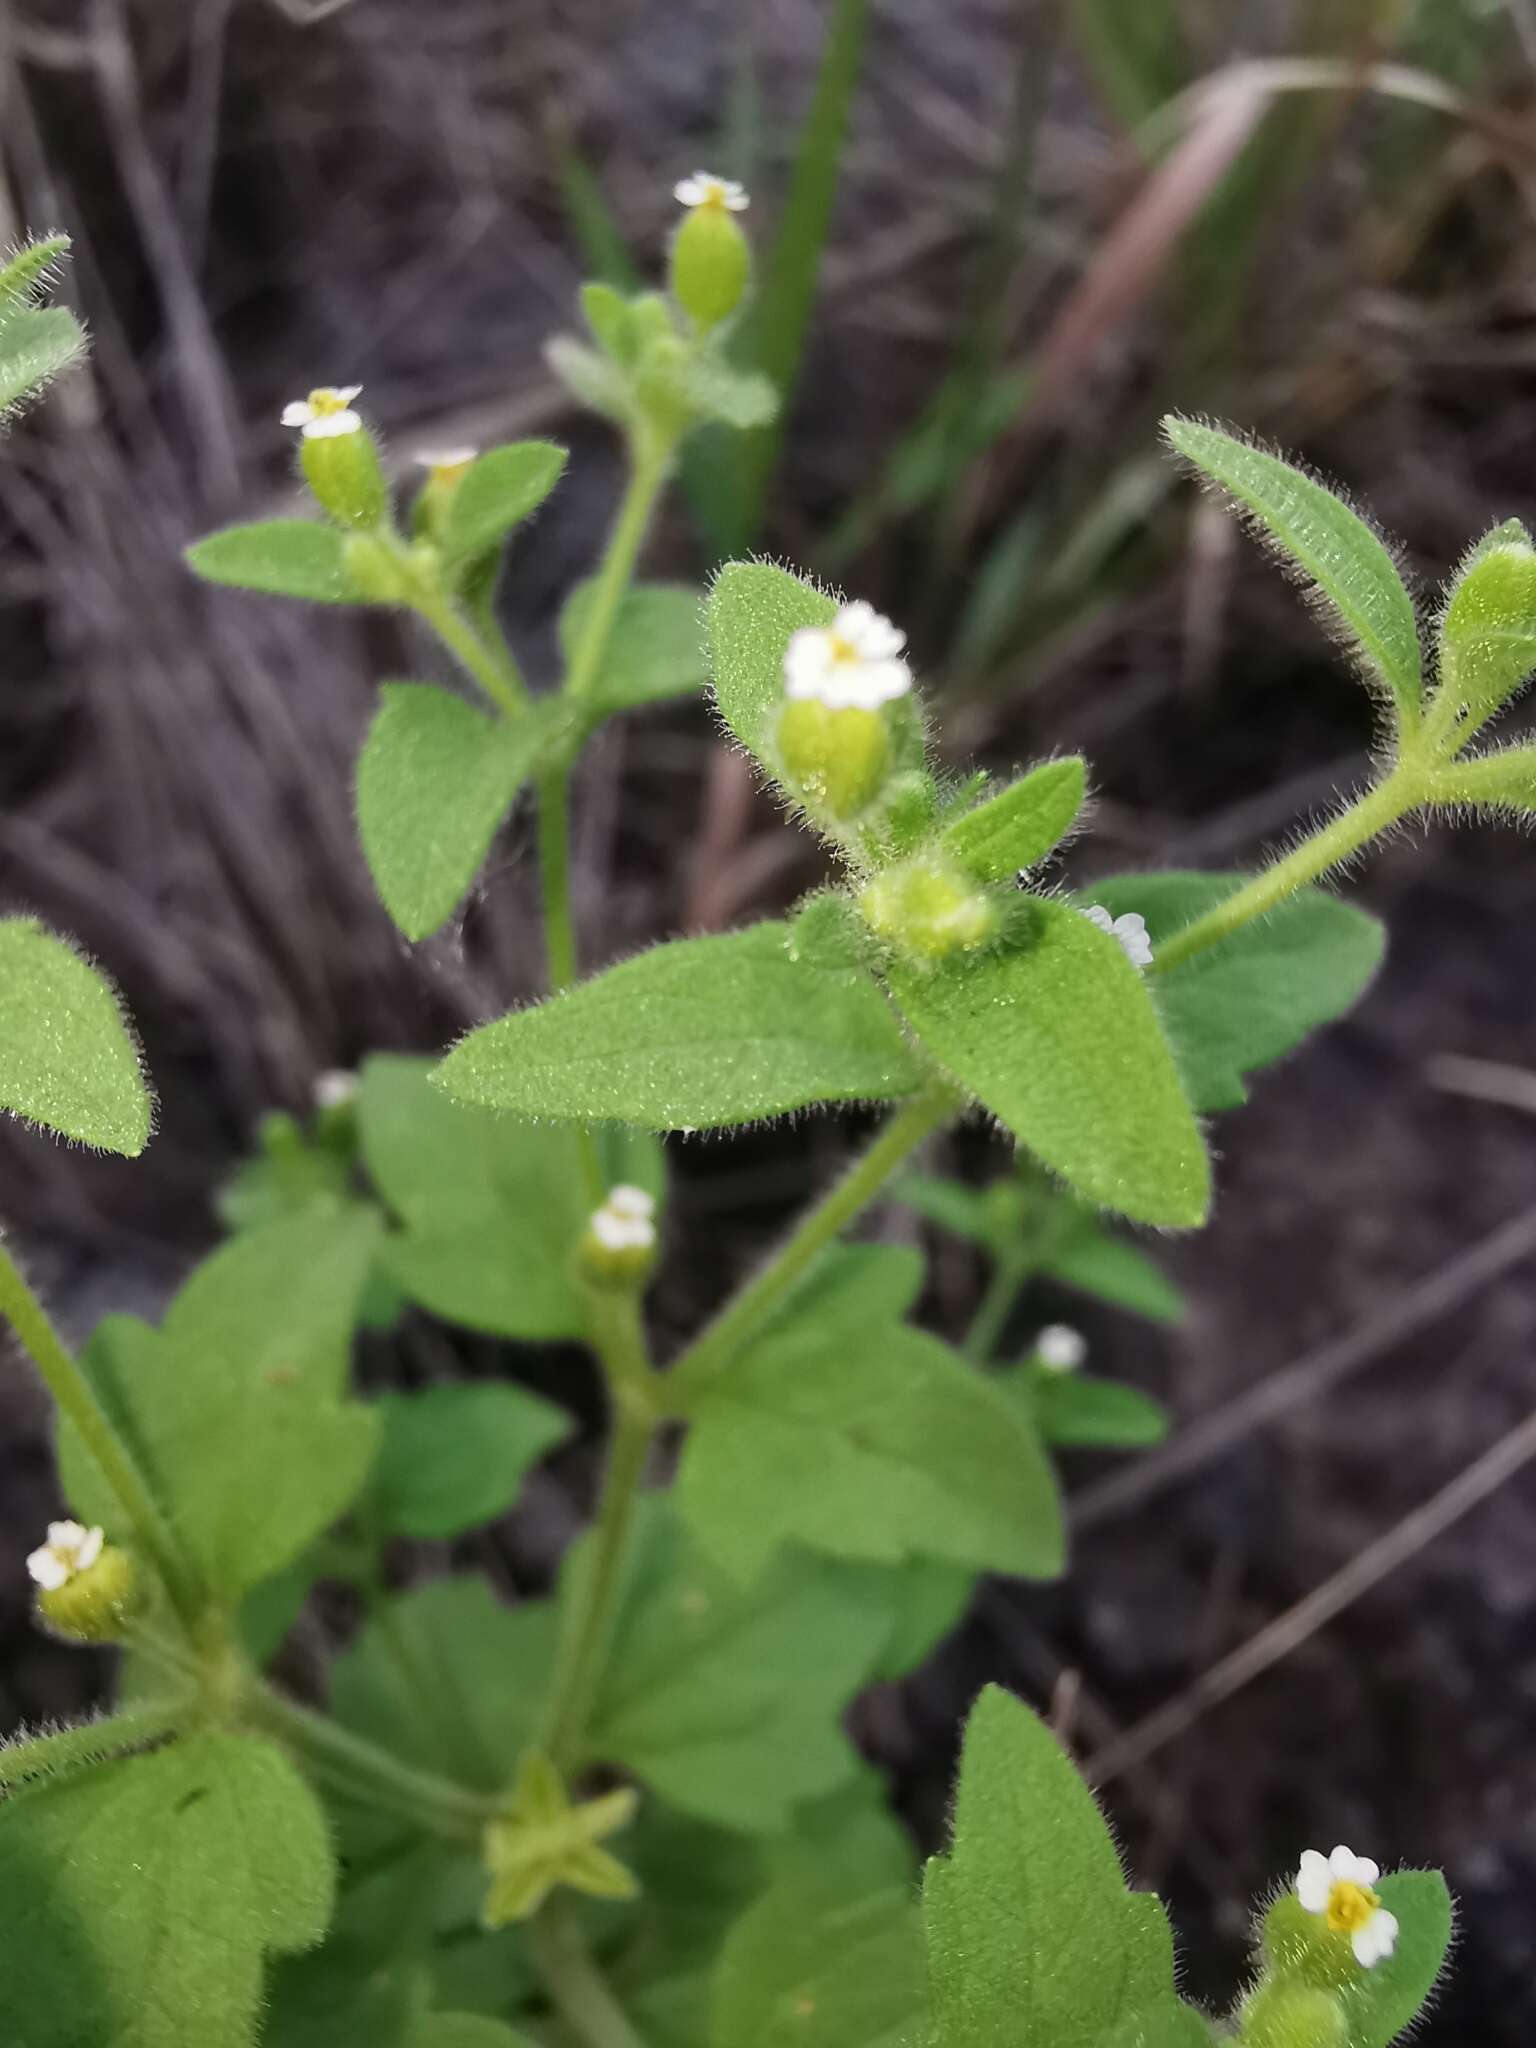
(67, 1060)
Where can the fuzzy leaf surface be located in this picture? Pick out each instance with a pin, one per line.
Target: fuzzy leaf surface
(1381, 2003)
(435, 780)
(142, 1898)
(67, 1059)
(693, 1035)
(1488, 632)
(1019, 826)
(496, 493)
(1250, 999)
(453, 1458)
(1060, 1040)
(1359, 592)
(36, 343)
(655, 649)
(489, 1210)
(809, 1967)
(282, 557)
(754, 611)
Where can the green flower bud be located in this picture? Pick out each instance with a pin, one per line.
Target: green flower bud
(835, 760)
(1283, 2015)
(88, 1589)
(544, 1839)
(1488, 634)
(929, 909)
(338, 456)
(618, 1248)
(446, 469)
(828, 932)
(711, 265)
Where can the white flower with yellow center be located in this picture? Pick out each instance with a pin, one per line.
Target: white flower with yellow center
(1060, 1348)
(1339, 1888)
(446, 465)
(853, 664)
(1130, 929)
(705, 189)
(326, 413)
(626, 1222)
(71, 1549)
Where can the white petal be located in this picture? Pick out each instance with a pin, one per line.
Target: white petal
(347, 392)
(869, 632)
(331, 426)
(735, 197)
(807, 661)
(692, 191)
(66, 1535)
(298, 413)
(625, 1200)
(445, 458)
(48, 1569)
(1060, 1348)
(1131, 930)
(619, 1233)
(1096, 914)
(89, 1549)
(334, 1088)
(1314, 1881)
(1345, 1865)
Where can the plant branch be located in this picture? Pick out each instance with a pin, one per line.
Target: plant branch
(487, 658)
(575, 1985)
(76, 1401)
(93, 1742)
(651, 463)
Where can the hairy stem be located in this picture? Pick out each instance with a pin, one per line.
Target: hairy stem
(744, 1315)
(487, 658)
(76, 1401)
(93, 1742)
(1379, 808)
(651, 465)
(575, 1985)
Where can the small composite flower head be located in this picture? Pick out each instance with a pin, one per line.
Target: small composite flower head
(1060, 1348)
(705, 189)
(327, 412)
(70, 1550)
(445, 465)
(1340, 1888)
(619, 1247)
(853, 664)
(1130, 929)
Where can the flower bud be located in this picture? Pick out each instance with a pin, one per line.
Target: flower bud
(1282, 2015)
(662, 386)
(711, 266)
(343, 472)
(1488, 634)
(835, 760)
(446, 470)
(618, 1248)
(88, 1589)
(928, 909)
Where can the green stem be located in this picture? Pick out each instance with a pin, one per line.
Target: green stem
(652, 462)
(71, 1749)
(992, 1312)
(77, 1403)
(575, 1985)
(1379, 808)
(555, 877)
(488, 660)
(745, 1314)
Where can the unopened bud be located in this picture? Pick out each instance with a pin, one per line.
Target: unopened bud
(88, 1589)
(711, 265)
(1282, 2015)
(619, 1246)
(929, 909)
(446, 469)
(835, 760)
(343, 471)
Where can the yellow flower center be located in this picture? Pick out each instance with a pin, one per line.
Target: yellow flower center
(325, 401)
(1350, 1906)
(840, 650)
(449, 473)
(714, 195)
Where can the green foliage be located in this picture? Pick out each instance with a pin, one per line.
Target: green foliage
(1355, 582)
(451, 1458)
(1487, 632)
(1249, 999)
(1503, 780)
(141, 1897)
(655, 650)
(1095, 1263)
(689, 1036)
(67, 1058)
(754, 610)
(808, 1967)
(1060, 1040)
(497, 493)
(1381, 2002)
(865, 1438)
(37, 341)
(235, 1407)
(1019, 826)
(1077, 1410)
(1033, 1937)
(725, 1699)
(435, 780)
(280, 557)
(488, 1208)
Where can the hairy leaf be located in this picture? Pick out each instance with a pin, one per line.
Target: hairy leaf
(1018, 827)
(496, 493)
(754, 611)
(1059, 1039)
(1248, 1000)
(36, 343)
(435, 780)
(1382, 2002)
(1317, 535)
(452, 1458)
(655, 649)
(810, 1967)
(691, 1036)
(1488, 632)
(283, 557)
(142, 1898)
(67, 1058)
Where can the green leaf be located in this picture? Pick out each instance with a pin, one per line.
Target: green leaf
(691, 1036)
(26, 275)
(1112, 1270)
(931, 1602)
(283, 557)
(655, 650)
(1248, 1000)
(754, 610)
(1077, 1410)
(1018, 827)
(452, 1458)
(809, 1967)
(435, 780)
(607, 314)
(948, 1203)
(448, 1677)
(851, 1288)
(1382, 2002)
(737, 398)
(1033, 1938)
(36, 344)
(874, 1441)
(67, 1057)
(1357, 589)
(490, 1209)
(234, 1407)
(726, 1700)
(1060, 1040)
(496, 493)
(463, 2030)
(1487, 632)
(141, 1898)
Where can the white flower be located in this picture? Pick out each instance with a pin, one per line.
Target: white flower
(334, 1088)
(447, 463)
(1060, 1348)
(326, 412)
(1340, 1888)
(853, 663)
(71, 1549)
(626, 1221)
(1130, 929)
(705, 189)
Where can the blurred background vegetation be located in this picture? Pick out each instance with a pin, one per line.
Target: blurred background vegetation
(997, 239)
